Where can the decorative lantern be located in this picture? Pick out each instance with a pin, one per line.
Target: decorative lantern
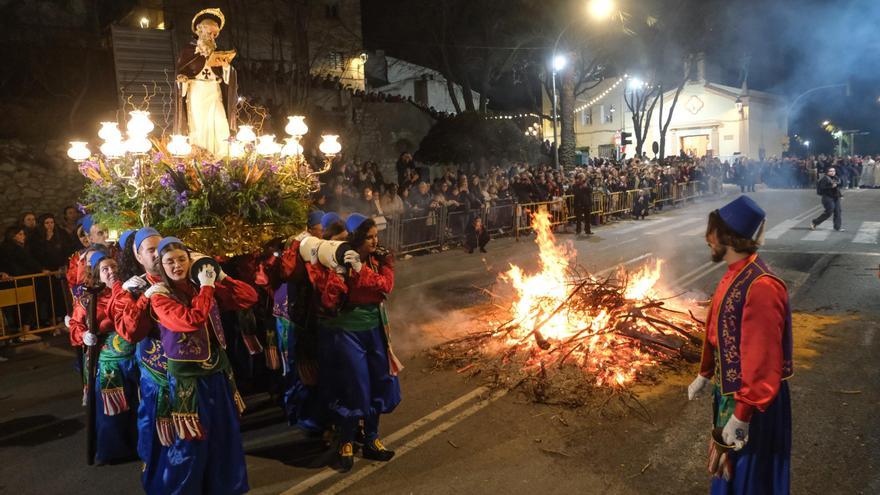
(138, 145)
(296, 126)
(78, 151)
(330, 145)
(179, 145)
(246, 134)
(266, 145)
(110, 132)
(113, 149)
(292, 148)
(140, 124)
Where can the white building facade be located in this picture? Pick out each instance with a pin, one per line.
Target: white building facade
(709, 119)
(427, 87)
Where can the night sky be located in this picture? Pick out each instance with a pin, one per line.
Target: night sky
(792, 46)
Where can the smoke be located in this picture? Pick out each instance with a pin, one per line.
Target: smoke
(796, 45)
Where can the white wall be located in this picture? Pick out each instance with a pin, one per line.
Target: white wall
(701, 110)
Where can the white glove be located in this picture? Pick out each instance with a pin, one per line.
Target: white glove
(207, 276)
(134, 284)
(735, 432)
(353, 259)
(156, 289)
(67, 321)
(698, 386)
(221, 275)
(90, 339)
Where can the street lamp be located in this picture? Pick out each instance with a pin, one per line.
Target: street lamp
(806, 144)
(598, 10)
(601, 9)
(558, 64)
(825, 123)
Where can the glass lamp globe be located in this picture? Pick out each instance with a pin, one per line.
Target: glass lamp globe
(330, 145)
(138, 145)
(292, 148)
(266, 145)
(139, 124)
(296, 126)
(113, 149)
(246, 134)
(179, 145)
(78, 151)
(110, 132)
(236, 149)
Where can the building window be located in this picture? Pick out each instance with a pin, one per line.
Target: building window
(336, 61)
(587, 116)
(607, 114)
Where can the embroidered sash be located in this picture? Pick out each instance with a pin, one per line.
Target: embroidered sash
(728, 323)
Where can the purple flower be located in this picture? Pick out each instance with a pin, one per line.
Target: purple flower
(166, 180)
(157, 157)
(183, 198)
(210, 169)
(235, 185)
(181, 168)
(81, 208)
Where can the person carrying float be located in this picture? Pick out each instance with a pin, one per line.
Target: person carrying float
(132, 317)
(747, 358)
(116, 385)
(358, 368)
(297, 339)
(207, 455)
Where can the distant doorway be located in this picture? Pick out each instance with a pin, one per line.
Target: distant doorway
(695, 145)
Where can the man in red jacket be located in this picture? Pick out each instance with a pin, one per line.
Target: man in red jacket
(747, 356)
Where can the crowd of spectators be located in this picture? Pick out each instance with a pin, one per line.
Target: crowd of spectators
(35, 245)
(363, 188)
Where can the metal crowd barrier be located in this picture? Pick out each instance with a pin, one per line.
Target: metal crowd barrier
(32, 304)
(446, 227)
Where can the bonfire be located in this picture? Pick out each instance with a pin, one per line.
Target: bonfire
(564, 330)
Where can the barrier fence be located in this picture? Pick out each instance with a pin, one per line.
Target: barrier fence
(445, 227)
(32, 304)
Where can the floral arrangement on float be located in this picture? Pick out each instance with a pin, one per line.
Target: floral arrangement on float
(223, 204)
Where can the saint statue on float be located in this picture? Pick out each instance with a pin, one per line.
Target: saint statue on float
(206, 89)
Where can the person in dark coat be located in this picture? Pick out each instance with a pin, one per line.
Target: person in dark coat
(583, 203)
(829, 188)
(476, 236)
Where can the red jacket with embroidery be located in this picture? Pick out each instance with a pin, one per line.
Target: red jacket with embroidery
(763, 321)
(131, 316)
(230, 294)
(369, 286)
(79, 319)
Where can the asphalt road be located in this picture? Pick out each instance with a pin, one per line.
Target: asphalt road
(455, 435)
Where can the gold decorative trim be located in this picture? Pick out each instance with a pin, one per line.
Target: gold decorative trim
(214, 11)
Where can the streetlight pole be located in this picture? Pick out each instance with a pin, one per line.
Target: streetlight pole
(556, 61)
(598, 9)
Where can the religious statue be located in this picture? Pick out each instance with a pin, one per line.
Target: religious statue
(207, 83)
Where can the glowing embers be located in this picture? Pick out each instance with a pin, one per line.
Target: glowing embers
(560, 317)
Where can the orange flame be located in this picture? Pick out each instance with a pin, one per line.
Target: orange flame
(539, 305)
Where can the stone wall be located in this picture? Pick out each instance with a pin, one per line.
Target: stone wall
(381, 131)
(38, 178)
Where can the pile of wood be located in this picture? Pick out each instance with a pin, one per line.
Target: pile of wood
(552, 370)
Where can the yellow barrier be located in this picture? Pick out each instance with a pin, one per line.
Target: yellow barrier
(31, 304)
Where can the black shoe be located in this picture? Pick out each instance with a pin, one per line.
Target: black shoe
(812, 226)
(346, 457)
(470, 251)
(482, 250)
(377, 452)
